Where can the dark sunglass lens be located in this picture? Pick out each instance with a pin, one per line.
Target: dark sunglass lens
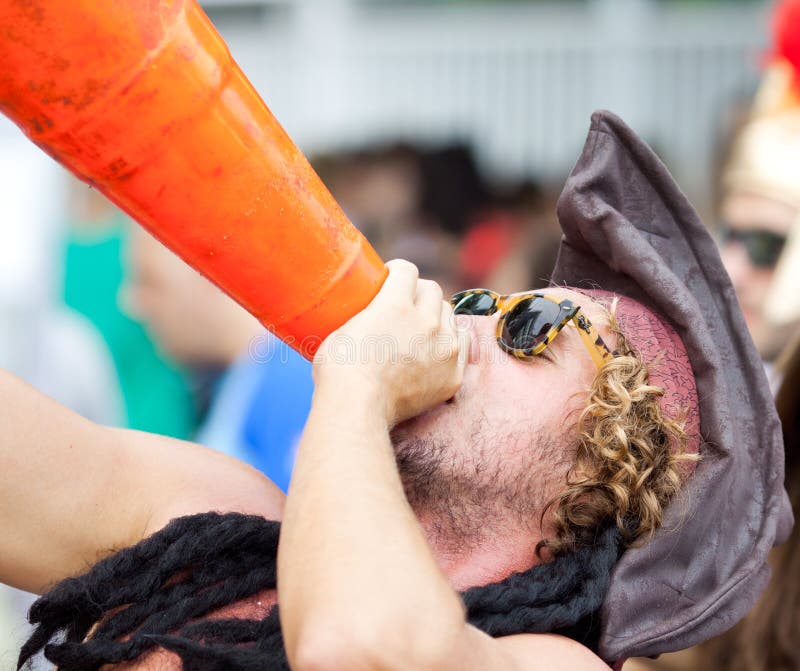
(764, 248)
(529, 322)
(724, 233)
(473, 304)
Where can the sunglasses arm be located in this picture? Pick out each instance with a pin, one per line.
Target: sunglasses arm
(591, 339)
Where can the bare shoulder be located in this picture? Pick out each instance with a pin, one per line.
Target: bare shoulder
(549, 651)
(192, 479)
(685, 660)
(525, 652)
(154, 660)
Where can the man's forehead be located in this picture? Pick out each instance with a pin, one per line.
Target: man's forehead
(562, 293)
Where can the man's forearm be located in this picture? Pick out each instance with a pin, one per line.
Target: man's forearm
(73, 491)
(355, 570)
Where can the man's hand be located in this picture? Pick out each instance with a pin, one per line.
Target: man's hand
(404, 347)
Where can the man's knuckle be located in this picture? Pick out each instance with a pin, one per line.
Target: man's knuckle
(431, 324)
(402, 265)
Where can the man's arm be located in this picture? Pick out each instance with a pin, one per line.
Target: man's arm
(358, 585)
(73, 492)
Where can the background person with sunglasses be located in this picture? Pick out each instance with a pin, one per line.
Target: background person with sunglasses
(760, 204)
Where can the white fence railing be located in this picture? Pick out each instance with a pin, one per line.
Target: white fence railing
(519, 80)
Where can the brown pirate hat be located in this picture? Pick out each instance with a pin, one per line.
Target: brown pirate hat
(629, 229)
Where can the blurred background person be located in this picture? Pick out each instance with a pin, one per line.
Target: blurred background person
(514, 243)
(760, 205)
(434, 206)
(156, 393)
(253, 392)
(406, 201)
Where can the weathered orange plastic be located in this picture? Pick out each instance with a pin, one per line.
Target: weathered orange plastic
(141, 99)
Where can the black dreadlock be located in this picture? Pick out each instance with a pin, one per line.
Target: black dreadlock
(152, 592)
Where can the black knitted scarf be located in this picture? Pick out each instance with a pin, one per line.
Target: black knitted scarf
(151, 594)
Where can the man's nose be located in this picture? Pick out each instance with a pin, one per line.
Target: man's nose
(483, 332)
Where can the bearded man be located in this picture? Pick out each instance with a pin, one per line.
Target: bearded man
(559, 479)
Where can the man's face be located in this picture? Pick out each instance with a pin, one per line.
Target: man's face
(502, 447)
(765, 221)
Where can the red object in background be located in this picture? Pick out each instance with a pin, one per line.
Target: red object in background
(486, 245)
(786, 31)
(141, 99)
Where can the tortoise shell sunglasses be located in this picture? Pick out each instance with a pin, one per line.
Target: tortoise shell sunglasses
(530, 320)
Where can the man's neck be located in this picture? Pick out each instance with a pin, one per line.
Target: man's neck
(490, 559)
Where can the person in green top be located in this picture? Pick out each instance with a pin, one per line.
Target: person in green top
(157, 394)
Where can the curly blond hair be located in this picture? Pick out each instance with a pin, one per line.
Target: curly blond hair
(627, 458)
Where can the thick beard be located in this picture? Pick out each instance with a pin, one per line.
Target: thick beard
(465, 503)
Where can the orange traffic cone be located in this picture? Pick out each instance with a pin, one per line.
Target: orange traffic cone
(141, 99)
